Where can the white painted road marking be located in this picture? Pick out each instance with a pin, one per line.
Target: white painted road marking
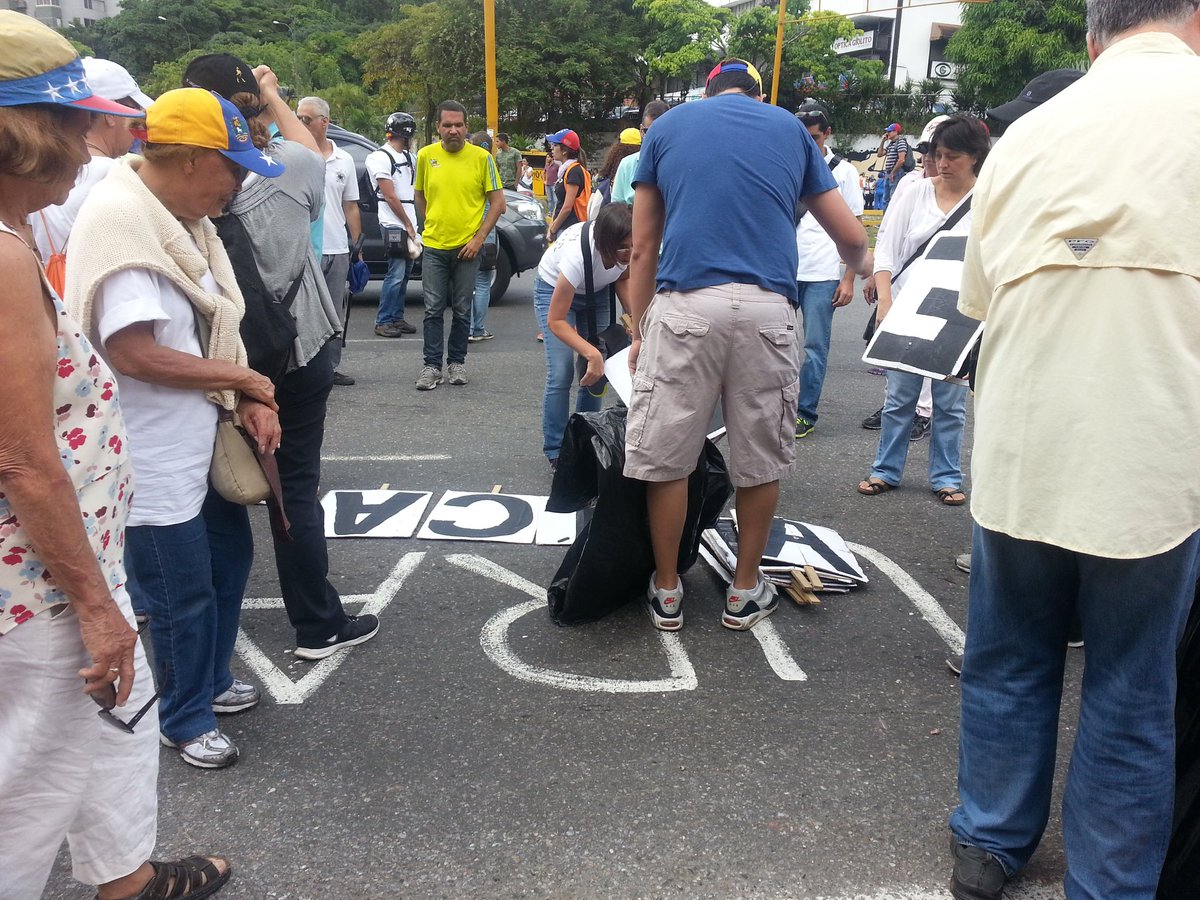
(777, 652)
(494, 640)
(931, 611)
(277, 682)
(403, 457)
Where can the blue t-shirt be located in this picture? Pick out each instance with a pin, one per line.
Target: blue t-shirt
(730, 170)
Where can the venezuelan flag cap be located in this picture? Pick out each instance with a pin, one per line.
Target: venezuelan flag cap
(195, 117)
(735, 65)
(39, 65)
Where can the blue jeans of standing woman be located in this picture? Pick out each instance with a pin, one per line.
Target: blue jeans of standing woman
(1116, 814)
(945, 436)
(190, 578)
(560, 364)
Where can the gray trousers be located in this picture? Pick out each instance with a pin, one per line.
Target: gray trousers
(336, 267)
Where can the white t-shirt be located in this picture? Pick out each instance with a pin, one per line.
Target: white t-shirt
(565, 257)
(171, 431)
(819, 260)
(59, 219)
(379, 165)
(341, 184)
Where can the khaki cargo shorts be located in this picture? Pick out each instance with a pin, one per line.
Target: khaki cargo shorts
(735, 343)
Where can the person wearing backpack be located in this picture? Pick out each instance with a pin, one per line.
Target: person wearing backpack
(392, 172)
(821, 286)
(574, 188)
(897, 159)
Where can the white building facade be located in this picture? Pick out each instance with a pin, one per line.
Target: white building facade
(925, 26)
(58, 13)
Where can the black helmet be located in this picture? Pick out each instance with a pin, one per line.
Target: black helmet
(401, 124)
(814, 112)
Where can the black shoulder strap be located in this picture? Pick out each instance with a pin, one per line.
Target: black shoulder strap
(834, 162)
(589, 284)
(954, 218)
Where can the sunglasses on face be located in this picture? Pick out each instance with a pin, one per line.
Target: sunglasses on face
(308, 120)
(107, 701)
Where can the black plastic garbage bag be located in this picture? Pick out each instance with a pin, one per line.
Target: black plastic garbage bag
(610, 561)
(1181, 874)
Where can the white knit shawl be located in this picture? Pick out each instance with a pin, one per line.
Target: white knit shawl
(122, 226)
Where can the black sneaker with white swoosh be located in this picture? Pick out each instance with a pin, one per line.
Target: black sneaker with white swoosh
(357, 630)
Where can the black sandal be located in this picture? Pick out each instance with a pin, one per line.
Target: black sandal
(946, 495)
(189, 879)
(873, 487)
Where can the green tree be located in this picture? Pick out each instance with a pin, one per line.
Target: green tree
(685, 35)
(1002, 45)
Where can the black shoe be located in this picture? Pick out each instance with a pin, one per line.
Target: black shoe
(357, 630)
(874, 421)
(954, 663)
(392, 330)
(406, 328)
(920, 427)
(342, 380)
(977, 874)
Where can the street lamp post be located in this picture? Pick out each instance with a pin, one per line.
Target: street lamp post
(179, 25)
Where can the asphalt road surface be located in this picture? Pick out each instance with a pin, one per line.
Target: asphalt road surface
(476, 750)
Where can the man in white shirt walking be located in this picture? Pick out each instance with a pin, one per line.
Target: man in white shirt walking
(392, 170)
(341, 222)
(819, 280)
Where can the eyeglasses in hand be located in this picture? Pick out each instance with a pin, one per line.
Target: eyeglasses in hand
(107, 701)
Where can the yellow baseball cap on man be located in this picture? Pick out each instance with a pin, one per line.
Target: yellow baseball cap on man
(195, 117)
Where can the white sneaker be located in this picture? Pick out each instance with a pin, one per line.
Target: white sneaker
(666, 606)
(745, 607)
(211, 750)
(240, 696)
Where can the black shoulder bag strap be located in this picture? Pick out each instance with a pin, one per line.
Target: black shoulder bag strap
(955, 217)
(589, 286)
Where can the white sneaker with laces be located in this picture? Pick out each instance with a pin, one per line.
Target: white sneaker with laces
(745, 607)
(666, 606)
(211, 750)
(240, 696)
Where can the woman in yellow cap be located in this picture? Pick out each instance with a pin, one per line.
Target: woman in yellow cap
(629, 143)
(67, 636)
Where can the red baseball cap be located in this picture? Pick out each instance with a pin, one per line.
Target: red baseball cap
(566, 137)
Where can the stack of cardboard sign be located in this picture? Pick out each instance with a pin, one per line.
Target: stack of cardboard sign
(800, 559)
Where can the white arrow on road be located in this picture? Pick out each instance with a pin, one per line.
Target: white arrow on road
(278, 683)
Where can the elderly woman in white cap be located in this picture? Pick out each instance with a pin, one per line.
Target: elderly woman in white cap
(66, 625)
(149, 279)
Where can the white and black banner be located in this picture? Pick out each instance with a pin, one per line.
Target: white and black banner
(923, 332)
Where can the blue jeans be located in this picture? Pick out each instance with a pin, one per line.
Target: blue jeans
(394, 290)
(816, 305)
(1120, 787)
(190, 578)
(883, 192)
(945, 436)
(560, 365)
(483, 297)
(447, 281)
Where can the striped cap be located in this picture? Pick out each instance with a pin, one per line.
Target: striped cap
(39, 65)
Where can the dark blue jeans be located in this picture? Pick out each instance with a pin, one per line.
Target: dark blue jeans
(447, 281)
(1120, 788)
(816, 306)
(313, 606)
(394, 290)
(190, 578)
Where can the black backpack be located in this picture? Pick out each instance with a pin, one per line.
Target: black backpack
(367, 189)
(268, 326)
(910, 158)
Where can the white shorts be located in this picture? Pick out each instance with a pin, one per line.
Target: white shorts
(63, 771)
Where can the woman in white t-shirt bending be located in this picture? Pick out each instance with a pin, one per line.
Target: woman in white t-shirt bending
(960, 145)
(147, 273)
(560, 299)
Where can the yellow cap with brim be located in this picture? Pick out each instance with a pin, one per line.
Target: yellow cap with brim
(631, 136)
(39, 66)
(195, 117)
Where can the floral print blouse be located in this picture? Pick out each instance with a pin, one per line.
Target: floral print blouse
(92, 445)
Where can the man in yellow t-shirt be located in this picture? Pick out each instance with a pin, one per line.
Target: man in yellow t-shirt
(455, 181)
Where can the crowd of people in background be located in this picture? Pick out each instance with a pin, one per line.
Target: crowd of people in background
(132, 278)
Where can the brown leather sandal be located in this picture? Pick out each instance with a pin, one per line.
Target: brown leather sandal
(189, 879)
(951, 496)
(873, 487)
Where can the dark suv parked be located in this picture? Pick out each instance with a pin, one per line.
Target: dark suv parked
(521, 229)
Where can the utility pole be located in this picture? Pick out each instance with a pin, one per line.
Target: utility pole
(492, 100)
(778, 51)
(895, 47)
